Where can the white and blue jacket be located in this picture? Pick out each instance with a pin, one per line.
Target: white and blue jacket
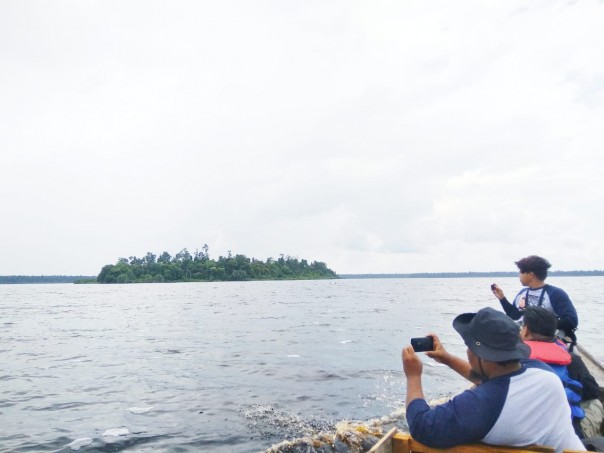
(525, 407)
(550, 297)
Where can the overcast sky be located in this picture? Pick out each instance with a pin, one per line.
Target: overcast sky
(376, 136)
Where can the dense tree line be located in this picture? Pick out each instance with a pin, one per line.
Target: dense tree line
(24, 279)
(199, 267)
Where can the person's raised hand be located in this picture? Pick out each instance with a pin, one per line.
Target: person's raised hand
(412, 364)
(439, 353)
(497, 291)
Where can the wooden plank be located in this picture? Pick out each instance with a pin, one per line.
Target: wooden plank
(400, 443)
(385, 443)
(410, 445)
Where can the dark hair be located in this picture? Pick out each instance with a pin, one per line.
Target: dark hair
(534, 264)
(540, 321)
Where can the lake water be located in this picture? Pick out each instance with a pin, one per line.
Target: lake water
(227, 367)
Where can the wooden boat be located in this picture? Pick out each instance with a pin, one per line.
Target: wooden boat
(397, 442)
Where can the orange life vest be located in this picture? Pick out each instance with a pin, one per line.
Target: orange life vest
(548, 352)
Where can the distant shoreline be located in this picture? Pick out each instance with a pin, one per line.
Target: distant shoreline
(29, 279)
(48, 279)
(472, 274)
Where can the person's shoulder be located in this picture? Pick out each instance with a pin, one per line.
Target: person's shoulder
(491, 392)
(550, 289)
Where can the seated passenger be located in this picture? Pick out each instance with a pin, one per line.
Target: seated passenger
(539, 333)
(514, 403)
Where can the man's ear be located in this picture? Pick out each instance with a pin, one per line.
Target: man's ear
(524, 333)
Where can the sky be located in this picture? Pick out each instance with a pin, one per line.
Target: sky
(375, 136)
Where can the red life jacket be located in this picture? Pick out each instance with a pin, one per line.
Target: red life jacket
(548, 352)
(557, 357)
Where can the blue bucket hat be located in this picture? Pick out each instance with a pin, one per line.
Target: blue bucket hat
(491, 335)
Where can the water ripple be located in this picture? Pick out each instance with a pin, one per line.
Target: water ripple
(224, 367)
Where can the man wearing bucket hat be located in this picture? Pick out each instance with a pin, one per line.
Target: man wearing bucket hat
(518, 402)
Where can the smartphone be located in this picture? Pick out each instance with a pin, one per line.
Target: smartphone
(422, 344)
(493, 287)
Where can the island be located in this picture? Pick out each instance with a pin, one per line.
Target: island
(198, 267)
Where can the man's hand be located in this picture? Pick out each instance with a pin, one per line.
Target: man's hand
(497, 291)
(412, 364)
(439, 353)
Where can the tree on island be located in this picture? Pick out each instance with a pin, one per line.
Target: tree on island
(184, 267)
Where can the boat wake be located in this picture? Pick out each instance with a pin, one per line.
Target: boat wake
(344, 436)
(270, 422)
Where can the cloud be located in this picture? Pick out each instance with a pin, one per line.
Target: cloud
(391, 137)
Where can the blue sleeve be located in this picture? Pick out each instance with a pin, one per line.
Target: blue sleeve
(466, 418)
(564, 309)
(510, 309)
